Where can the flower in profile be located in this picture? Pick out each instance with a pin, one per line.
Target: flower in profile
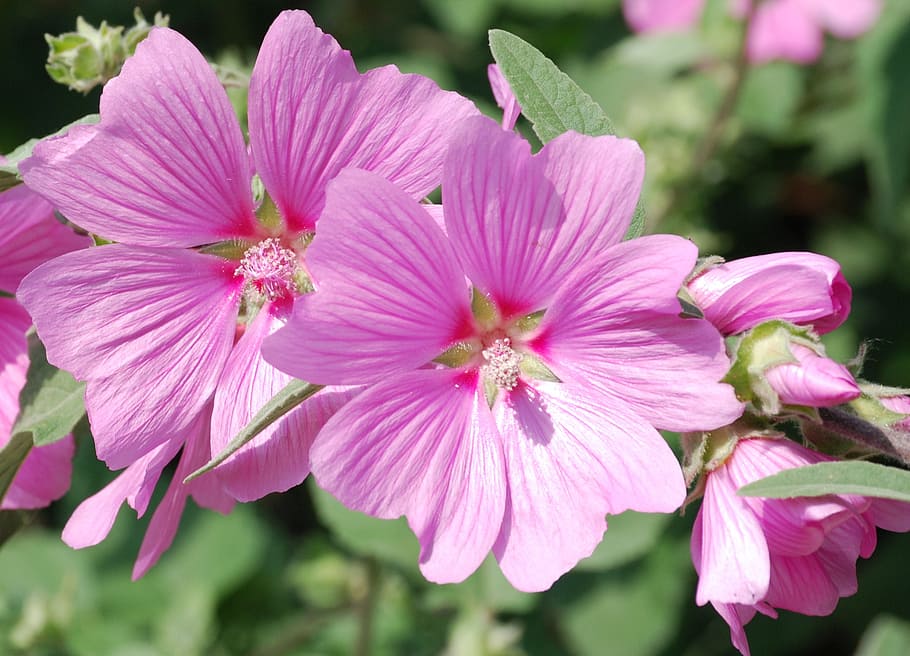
(778, 29)
(758, 555)
(802, 288)
(813, 380)
(513, 417)
(29, 235)
(165, 324)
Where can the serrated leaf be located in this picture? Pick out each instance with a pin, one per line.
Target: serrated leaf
(9, 170)
(51, 403)
(549, 98)
(293, 394)
(849, 477)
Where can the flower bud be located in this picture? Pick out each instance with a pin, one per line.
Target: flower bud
(91, 56)
(802, 288)
(780, 367)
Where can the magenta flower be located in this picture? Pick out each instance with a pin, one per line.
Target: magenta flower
(29, 235)
(899, 403)
(166, 325)
(505, 98)
(534, 428)
(802, 288)
(779, 29)
(813, 381)
(662, 15)
(757, 555)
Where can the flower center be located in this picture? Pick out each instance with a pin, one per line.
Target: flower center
(503, 364)
(269, 269)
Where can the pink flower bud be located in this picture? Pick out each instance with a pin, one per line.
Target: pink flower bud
(814, 381)
(802, 288)
(899, 404)
(758, 555)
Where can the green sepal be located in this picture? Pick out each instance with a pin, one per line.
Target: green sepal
(269, 216)
(232, 249)
(293, 394)
(490, 391)
(456, 355)
(764, 346)
(483, 309)
(533, 367)
(530, 321)
(869, 407)
(690, 309)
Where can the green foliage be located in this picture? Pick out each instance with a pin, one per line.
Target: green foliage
(856, 477)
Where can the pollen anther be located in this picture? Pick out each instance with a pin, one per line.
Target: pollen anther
(503, 364)
(269, 269)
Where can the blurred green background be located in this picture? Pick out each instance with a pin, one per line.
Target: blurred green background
(811, 158)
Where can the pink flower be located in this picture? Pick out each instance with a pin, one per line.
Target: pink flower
(758, 555)
(536, 427)
(29, 235)
(814, 380)
(802, 288)
(779, 29)
(901, 404)
(662, 15)
(151, 323)
(793, 29)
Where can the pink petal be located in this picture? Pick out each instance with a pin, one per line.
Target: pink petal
(501, 215)
(148, 329)
(505, 99)
(278, 458)
(891, 515)
(736, 616)
(14, 323)
(167, 165)
(801, 585)
(92, 520)
(311, 115)
(615, 324)
(163, 527)
(421, 444)
(784, 29)
(391, 296)
(599, 180)
(735, 564)
(573, 457)
(31, 235)
(814, 381)
(847, 19)
(43, 477)
(662, 15)
(803, 288)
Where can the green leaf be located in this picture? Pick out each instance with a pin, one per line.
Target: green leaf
(294, 393)
(629, 536)
(548, 97)
(11, 458)
(888, 636)
(51, 403)
(389, 540)
(9, 170)
(849, 477)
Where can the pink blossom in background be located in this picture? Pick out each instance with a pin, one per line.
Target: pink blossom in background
(813, 380)
(901, 404)
(29, 235)
(662, 15)
(779, 29)
(165, 325)
(802, 288)
(489, 452)
(759, 555)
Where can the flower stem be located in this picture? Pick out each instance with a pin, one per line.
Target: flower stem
(883, 440)
(366, 608)
(712, 138)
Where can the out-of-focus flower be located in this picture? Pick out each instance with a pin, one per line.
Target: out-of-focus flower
(516, 417)
(758, 555)
(779, 29)
(662, 15)
(802, 288)
(165, 325)
(29, 235)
